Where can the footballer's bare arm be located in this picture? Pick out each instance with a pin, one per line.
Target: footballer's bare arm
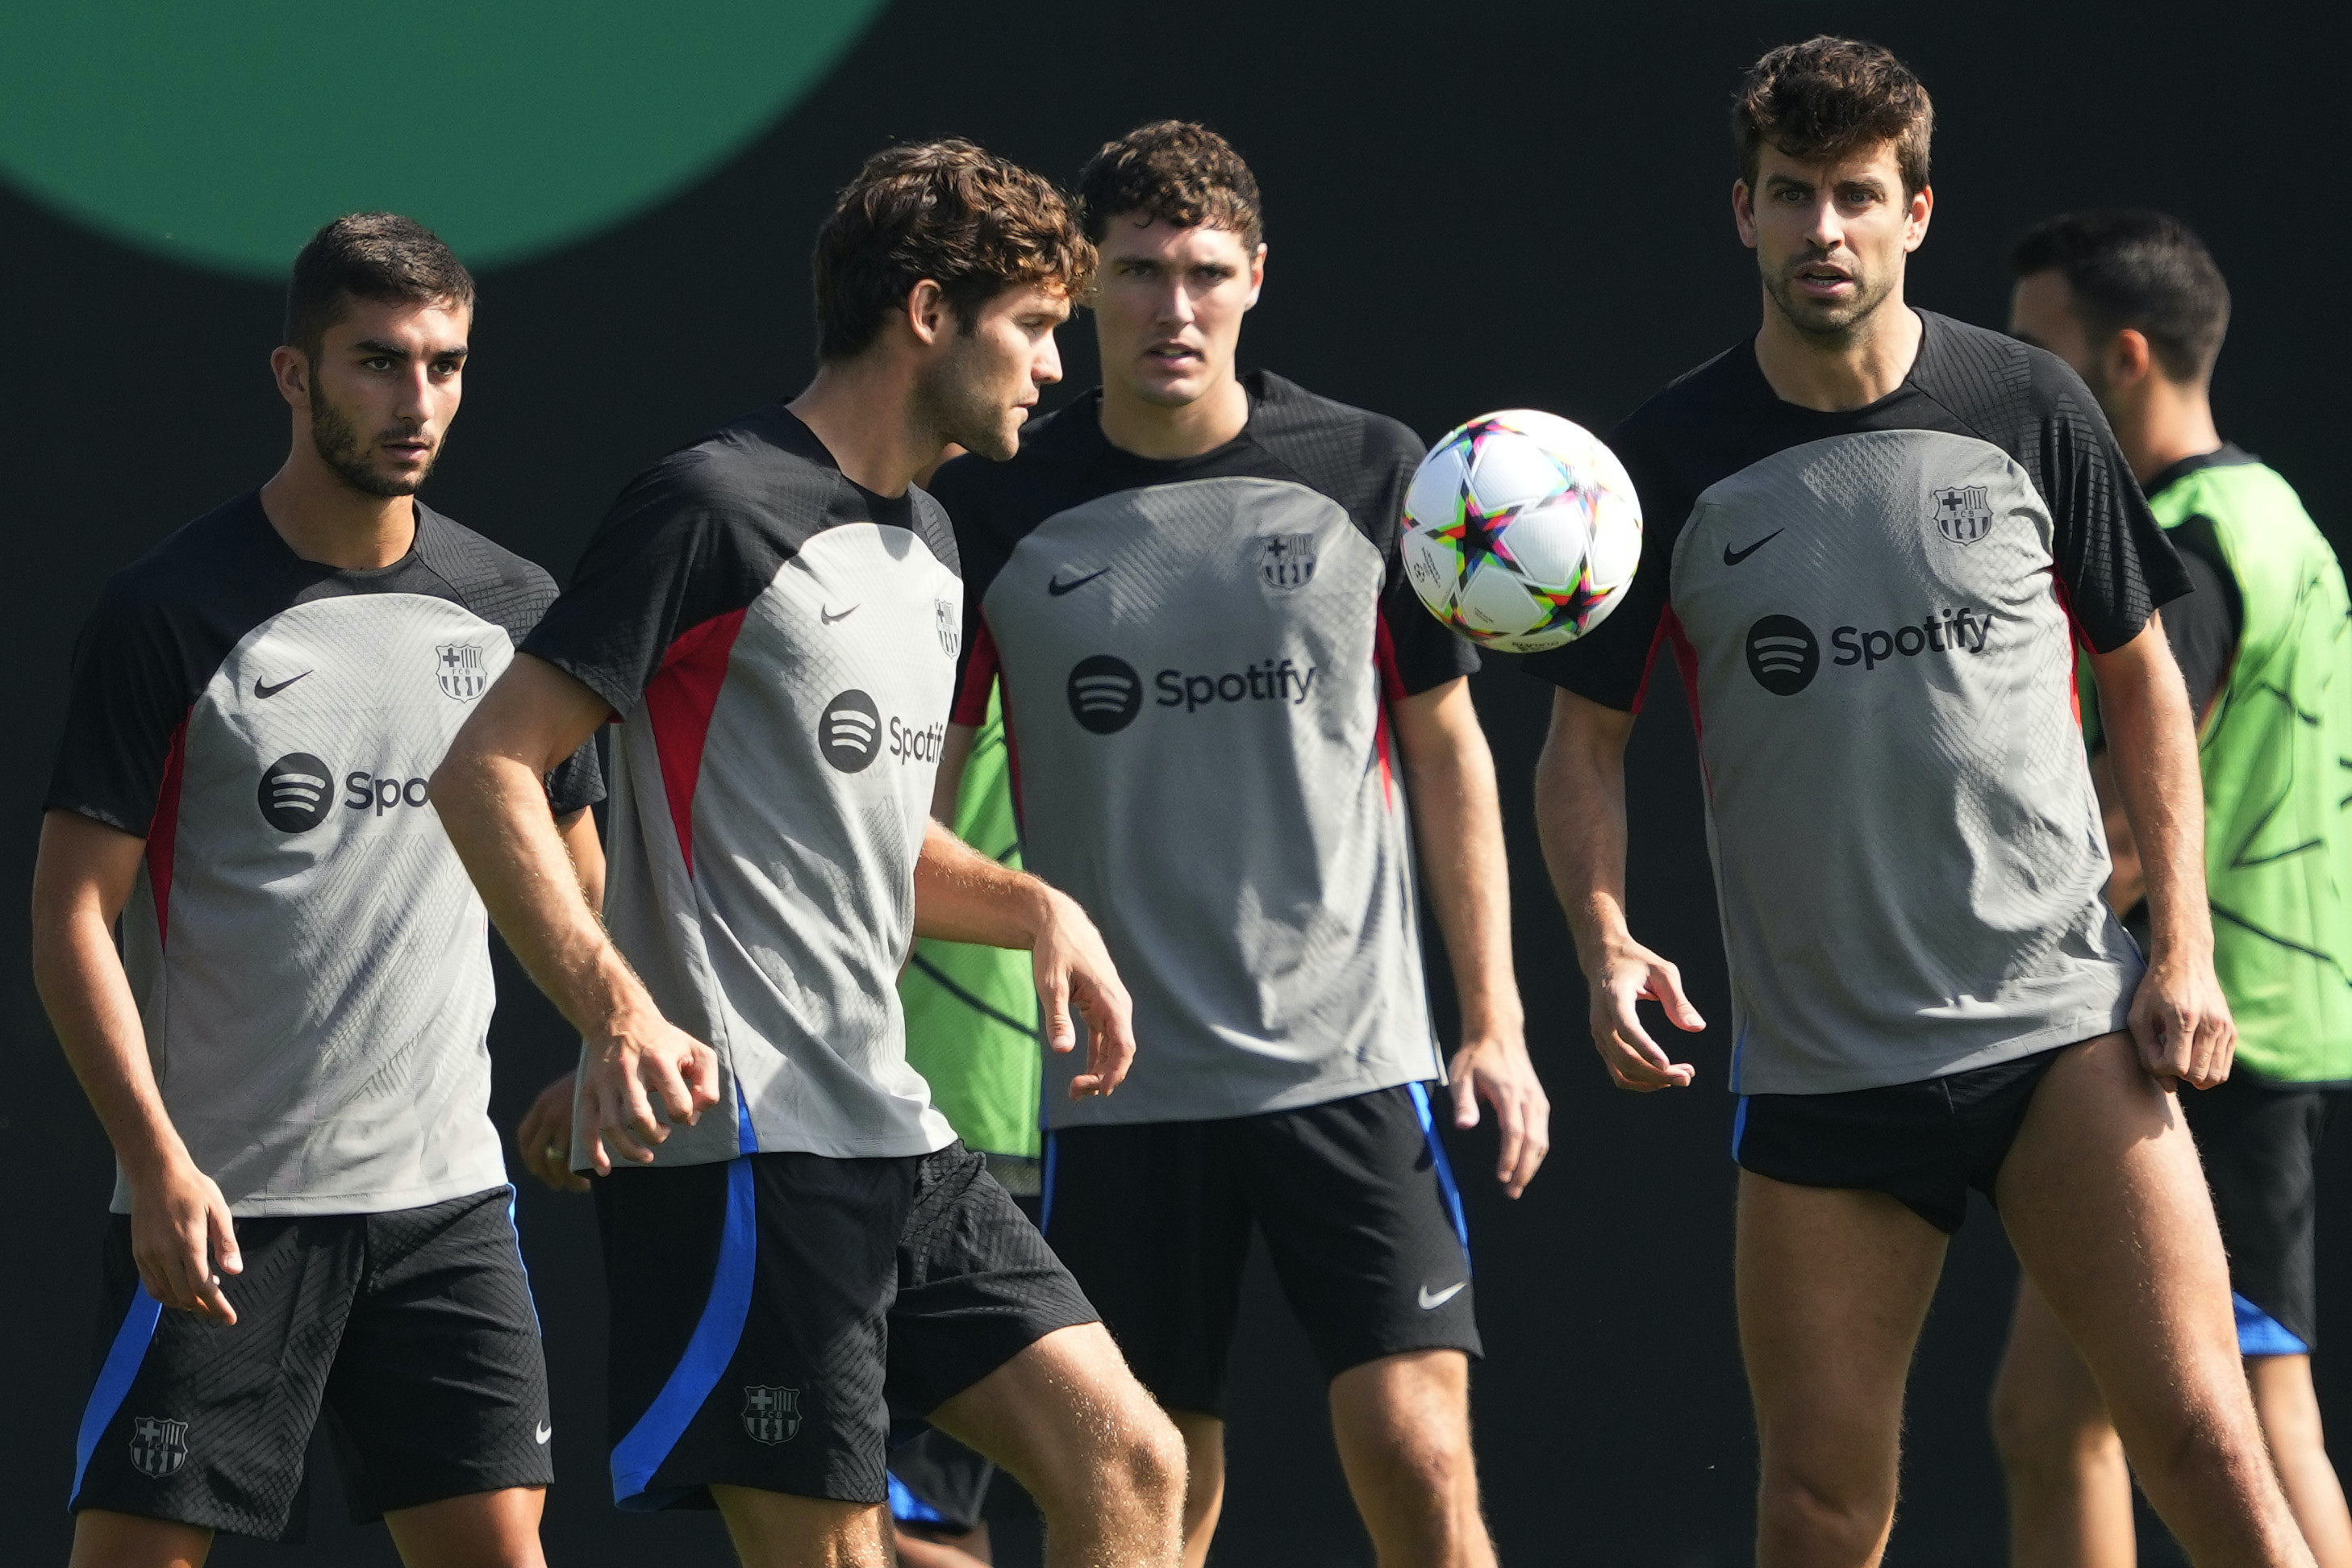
(643, 1075)
(955, 755)
(1457, 819)
(1581, 818)
(181, 1233)
(2179, 1017)
(543, 1136)
(961, 895)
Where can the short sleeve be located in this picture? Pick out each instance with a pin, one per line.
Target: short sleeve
(672, 553)
(2203, 626)
(1610, 663)
(2111, 556)
(128, 701)
(960, 488)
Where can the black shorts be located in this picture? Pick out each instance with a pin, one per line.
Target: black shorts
(2259, 1139)
(1354, 1197)
(936, 1483)
(773, 1317)
(414, 1329)
(1926, 1143)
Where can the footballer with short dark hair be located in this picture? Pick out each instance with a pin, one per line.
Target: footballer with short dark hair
(1874, 536)
(1231, 719)
(799, 1255)
(287, 1052)
(2135, 303)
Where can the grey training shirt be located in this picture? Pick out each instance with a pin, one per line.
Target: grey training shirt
(1198, 659)
(1876, 614)
(311, 963)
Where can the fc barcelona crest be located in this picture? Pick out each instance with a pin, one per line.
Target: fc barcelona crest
(950, 624)
(1964, 514)
(458, 667)
(1286, 560)
(771, 1415)
(158, 1448)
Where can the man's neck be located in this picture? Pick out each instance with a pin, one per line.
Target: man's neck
(322, 519)
(1183, 430)
(863, 410)
(2173, 422)
(1869, 363)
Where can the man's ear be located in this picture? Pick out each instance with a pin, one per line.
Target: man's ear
(289, 367)
(1743, 212)
(928, 315)
(2129, 358)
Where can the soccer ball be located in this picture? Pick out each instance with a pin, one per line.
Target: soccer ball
(1521, 530)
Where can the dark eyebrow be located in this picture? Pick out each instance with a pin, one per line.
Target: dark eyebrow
(374, 348)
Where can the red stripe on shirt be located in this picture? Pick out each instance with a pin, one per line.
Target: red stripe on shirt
(1391, 682)
(678, 704)
(163, 830)
(970, 705)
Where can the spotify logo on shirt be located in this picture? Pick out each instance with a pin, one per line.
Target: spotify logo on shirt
(849, 731)
(1782, 654)
(1106, 694)
(296, 791)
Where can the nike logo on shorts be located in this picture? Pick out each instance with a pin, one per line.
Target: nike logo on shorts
(1057, 587)
(1433, 1299)
(544, 1433)
(828, 617)
(265, 692)
(1734, 557)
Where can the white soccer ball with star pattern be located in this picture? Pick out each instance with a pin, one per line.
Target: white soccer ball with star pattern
(1521, 530)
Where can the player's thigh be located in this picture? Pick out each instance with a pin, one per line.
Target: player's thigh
(482, 1530)
(749, 1301)
(1147, 1219)
(203, 1425)
(777, 1529)
(440, 1389)
(103, 1538)
(1058, 1414)
(1833, 1285)
(1364, 1225)
(2107, 1206)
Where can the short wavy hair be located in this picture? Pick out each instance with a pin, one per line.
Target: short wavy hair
(1827, 98)
(1176, 171)
(972, 223)
(2134, 268)
(379, 257)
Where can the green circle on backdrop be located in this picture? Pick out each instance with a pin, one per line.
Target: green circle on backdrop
(223, 134)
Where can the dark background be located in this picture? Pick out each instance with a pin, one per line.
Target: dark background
(1467, 209)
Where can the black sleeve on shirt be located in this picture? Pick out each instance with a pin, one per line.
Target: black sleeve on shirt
(678, 548)
(512, 592)
(2203, 626)
(961, 487)
(130, 691)
(1610, 663)
(2111, 554)
(1428, 652)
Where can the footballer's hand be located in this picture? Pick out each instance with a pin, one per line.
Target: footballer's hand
(2182, 1023)
(645, 1077)
(1074, 969)
(1494, 1067)
(1629, 975)
(544, 1137)
(179, 1227)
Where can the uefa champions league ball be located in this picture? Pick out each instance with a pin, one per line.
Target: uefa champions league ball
(1521, 530)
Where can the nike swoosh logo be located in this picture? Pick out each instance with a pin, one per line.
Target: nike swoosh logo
(544, 1432)
(828, 617)
(267, 691)
(1055, 586)
(1430, 1303)
(1734, 557)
